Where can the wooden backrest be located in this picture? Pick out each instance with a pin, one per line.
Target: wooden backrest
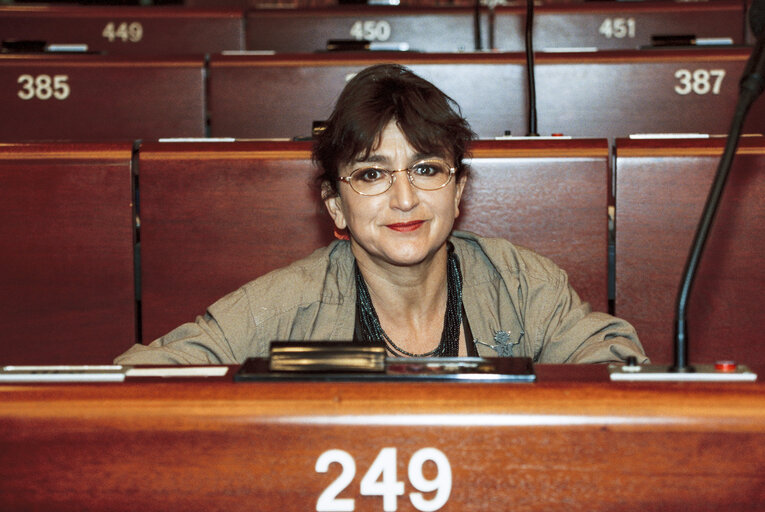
(618, 25)
(216, 215)
(67, 279)
(127, 30)
(431, 29)
(661, 187)
(91, 97)
(589, 94)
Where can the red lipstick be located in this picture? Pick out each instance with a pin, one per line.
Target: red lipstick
(404, 227)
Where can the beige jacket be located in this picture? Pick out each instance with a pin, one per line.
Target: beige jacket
(510, 294)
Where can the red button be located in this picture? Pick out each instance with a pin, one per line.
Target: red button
(725, 366)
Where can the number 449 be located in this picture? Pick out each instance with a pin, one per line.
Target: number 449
(381, 480)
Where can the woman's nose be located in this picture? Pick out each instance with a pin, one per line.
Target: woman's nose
(403, 193)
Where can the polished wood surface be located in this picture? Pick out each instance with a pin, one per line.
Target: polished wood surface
(216, 215)
(105, 98)
(587, 94)
(67, 279)
(617, 25)
(127, 30)
(565, 443)
(661, 187)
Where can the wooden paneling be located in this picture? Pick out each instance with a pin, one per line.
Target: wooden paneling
(553, 445)
(67, 281)
(127, 30)
(90, 97)
(661, 188)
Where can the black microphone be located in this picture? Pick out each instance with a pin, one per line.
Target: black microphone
(751, 86)
(757, 17)
(753, 79)
(532, 132)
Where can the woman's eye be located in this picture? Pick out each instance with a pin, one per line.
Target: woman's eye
(370, 175)
(428, 170)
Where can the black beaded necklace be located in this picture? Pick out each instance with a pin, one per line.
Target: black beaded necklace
(372, 331)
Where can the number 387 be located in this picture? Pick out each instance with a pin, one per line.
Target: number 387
(699, 81)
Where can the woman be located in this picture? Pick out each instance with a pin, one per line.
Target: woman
(392, 178)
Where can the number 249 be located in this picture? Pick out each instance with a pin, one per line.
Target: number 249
(381, 480)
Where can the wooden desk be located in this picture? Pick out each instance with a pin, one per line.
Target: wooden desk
(661, 187)
(569, 442)
(67, 279)
(91, 97)
(120, 30)
(617, 25)
(435, 29)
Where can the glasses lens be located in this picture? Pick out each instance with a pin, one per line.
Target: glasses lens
(370, 180)
(430, 174)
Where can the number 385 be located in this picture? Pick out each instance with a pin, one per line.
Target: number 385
(44, 87)
(381, 480)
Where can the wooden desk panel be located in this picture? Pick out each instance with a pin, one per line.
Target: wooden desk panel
(615, 94)
(223, 446)
(67, 280)
(216, 215)
(661, 187)
(620, 25)
(280, 96)
(441, 29)
(151, 31)
(87, 97)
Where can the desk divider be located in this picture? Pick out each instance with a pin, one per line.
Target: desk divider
(661, 188)
(67, 280)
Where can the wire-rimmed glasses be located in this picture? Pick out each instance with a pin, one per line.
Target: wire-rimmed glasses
(426, 174)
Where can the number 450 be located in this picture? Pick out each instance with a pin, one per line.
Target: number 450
(380, 480)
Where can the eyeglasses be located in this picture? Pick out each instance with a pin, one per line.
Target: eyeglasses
(427, 174)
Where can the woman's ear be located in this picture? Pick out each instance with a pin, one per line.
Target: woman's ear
(334, 205)
(460, 187)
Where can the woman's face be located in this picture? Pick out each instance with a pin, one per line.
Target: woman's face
(403, 226)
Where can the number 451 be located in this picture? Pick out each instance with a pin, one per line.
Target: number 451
(380, 480)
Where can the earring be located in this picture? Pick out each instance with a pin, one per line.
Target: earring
(341, 234)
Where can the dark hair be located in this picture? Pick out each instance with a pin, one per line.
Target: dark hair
(429, 119)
